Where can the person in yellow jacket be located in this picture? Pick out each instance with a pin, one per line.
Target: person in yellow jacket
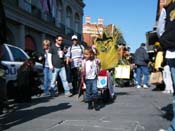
(159, 56)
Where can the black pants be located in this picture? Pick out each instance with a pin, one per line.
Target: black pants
(25, 81)
(68, 72)
(75, 75)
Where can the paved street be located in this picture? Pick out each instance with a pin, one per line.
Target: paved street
(132, 110)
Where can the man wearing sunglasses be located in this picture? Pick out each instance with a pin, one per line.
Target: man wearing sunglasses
(56, 65)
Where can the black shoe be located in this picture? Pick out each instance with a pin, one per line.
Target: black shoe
(53, 93)
(90, 106)
(28, 100)
(1, 112)
(96, 106)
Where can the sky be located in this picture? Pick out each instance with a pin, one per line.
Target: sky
(132, 17)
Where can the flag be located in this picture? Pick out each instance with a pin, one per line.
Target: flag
(51, 4)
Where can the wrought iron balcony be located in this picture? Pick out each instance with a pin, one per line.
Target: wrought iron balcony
(13, 3)
(35, 11)
(69, 31)
(50, 19)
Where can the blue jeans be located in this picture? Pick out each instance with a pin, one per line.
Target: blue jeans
(91, 89)
(172, 126)
(172, 69)
(140, 71)
(47, 77)
(62, 73)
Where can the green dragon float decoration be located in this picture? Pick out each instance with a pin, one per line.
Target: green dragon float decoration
(107, 47)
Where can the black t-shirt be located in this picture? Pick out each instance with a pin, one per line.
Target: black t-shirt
(56, 60)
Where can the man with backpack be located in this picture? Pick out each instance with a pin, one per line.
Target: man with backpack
(73, 58)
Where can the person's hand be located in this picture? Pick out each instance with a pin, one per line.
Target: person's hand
(157, 69)
(68, 60)
(52, 68)
(40, 58)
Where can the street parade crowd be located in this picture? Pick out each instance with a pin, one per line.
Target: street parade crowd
(79, 68)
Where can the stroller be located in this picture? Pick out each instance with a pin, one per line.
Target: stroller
(104, 85)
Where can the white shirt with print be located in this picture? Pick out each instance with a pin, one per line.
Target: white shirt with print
(91, 69)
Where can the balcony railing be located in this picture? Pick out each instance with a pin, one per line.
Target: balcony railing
(62, 27)
(69, 31)
(13, 3)
(35, 11)
(50, 19)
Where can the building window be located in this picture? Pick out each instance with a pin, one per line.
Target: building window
(77, 22)
(59, 12)
(27, 5)
(68, 17)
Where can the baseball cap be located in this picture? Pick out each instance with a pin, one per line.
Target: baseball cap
(74, 37)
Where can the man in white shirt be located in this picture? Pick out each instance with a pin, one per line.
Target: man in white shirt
(74, 57)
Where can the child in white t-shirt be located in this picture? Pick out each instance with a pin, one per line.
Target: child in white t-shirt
(90, 70)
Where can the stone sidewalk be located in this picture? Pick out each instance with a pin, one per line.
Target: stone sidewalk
(133, 110)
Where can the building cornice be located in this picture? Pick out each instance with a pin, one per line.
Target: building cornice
(81, 3)
(21, 16)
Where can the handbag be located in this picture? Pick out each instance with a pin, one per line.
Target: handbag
(156, 78)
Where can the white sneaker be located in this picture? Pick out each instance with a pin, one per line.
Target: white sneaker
(138, 87)
(68, 94)
(145, 86)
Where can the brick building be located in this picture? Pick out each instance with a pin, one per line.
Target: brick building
(92, 30)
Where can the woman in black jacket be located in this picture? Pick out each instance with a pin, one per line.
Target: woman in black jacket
(25, 81)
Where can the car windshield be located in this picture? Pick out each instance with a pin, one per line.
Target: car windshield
(18, 55)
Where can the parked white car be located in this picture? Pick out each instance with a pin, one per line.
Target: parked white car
(13, 57)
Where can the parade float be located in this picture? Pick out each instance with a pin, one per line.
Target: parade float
(114, 53)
